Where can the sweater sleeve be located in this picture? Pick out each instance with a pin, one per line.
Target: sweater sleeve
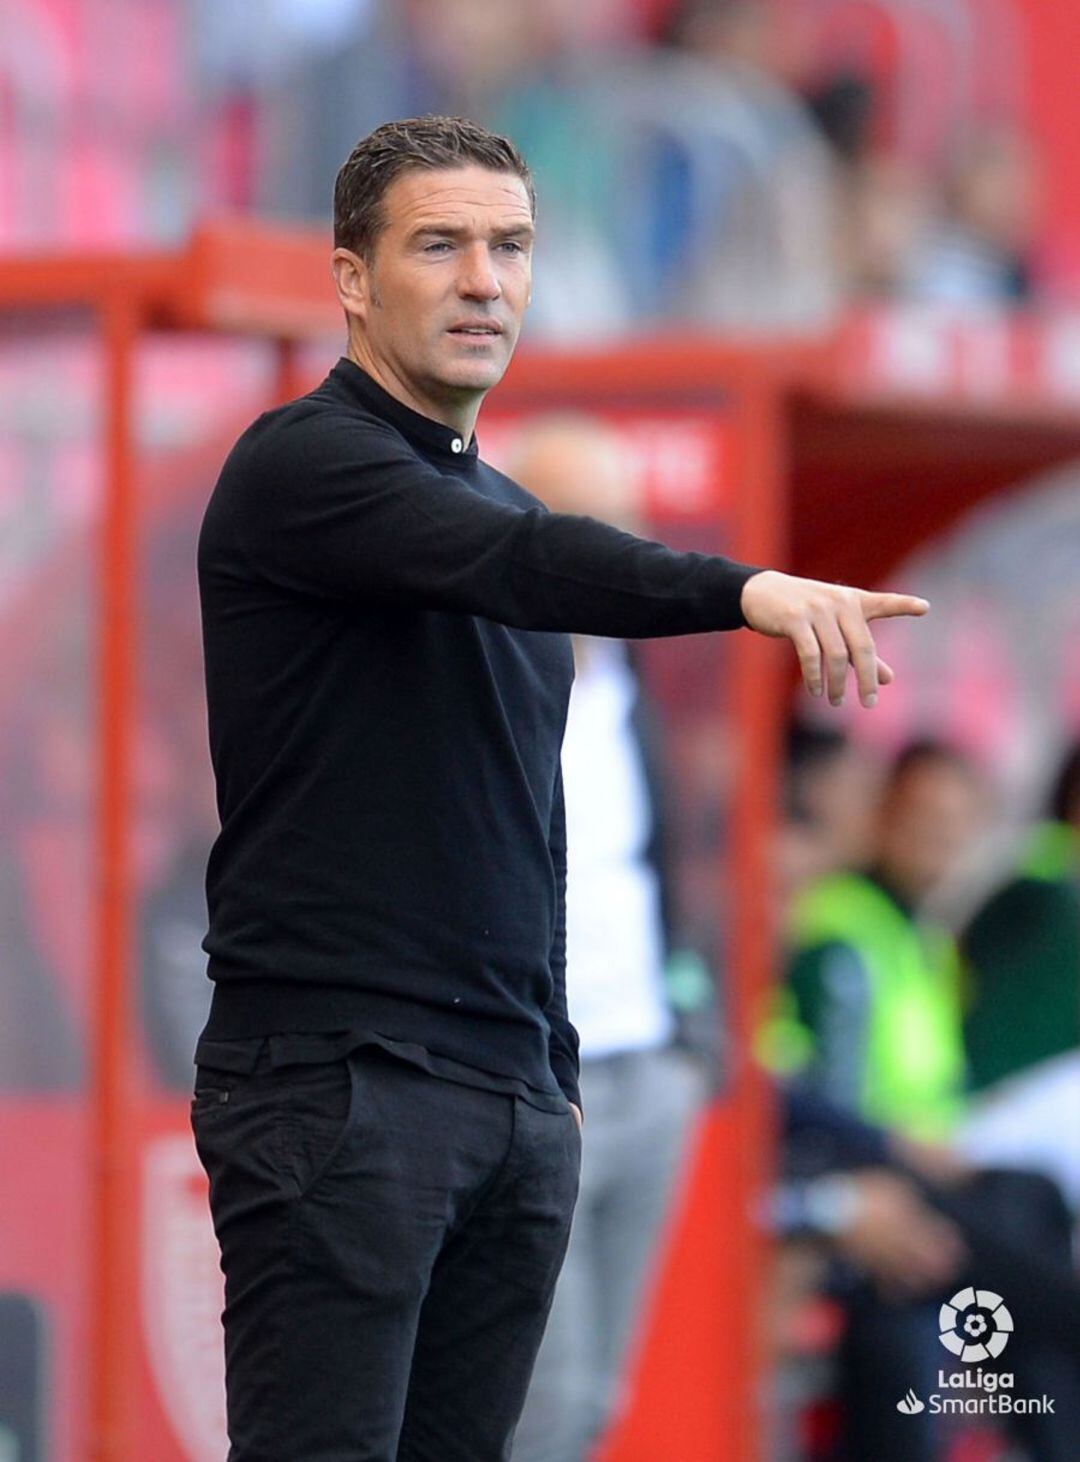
(342, 508)
(563, 1039)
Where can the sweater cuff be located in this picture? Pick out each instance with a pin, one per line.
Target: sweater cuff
(736, 577)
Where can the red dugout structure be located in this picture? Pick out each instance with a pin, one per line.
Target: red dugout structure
(832, 458)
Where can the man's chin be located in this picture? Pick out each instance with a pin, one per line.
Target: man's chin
(474, 375)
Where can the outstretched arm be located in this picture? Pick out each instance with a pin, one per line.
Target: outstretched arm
(343, 509)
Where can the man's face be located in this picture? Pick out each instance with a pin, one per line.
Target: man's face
(440, 303)
(928, 822)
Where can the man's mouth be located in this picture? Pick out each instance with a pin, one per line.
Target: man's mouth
(478, 330)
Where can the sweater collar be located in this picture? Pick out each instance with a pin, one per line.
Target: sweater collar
(428, 435)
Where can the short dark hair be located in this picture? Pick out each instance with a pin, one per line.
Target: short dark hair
(415, 142)
(928, 751)
(1064, 805)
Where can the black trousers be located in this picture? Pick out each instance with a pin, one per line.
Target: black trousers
(390, 1243)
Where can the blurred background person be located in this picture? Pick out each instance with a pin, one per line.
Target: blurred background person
(976, 252)
(830, 790)
(1022, 1017)
(172, 917)
(1022, 948)
(872, 987)
(874, 1004)
(896, 1228)
(745, 192)
(641, 1089)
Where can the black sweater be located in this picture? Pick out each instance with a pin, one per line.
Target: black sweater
(387, 679)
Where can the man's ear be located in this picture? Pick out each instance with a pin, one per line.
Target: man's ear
(353, 280)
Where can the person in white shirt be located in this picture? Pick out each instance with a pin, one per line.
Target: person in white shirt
(640, 1090)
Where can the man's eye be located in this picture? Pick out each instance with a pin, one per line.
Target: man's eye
(513, 246)
(437, 247)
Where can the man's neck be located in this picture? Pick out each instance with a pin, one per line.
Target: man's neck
(459, 416)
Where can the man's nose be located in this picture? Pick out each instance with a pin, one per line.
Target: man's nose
(478, 279)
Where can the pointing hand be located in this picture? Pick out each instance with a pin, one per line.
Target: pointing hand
(829, 626)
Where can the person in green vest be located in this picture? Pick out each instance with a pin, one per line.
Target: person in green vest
(1022, 949)
(872, 1022)
(870, 1006)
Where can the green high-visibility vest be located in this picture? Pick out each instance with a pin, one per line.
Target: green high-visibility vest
(1052, 854)
(914, 1068)
(1022, 954)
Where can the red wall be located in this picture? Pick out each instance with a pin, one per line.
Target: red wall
(1053, 102)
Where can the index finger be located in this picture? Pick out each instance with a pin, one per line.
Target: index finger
(888, 606)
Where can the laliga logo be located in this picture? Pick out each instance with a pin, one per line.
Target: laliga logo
(975, 1325)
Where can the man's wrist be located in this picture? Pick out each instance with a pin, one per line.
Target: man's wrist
(744, 605)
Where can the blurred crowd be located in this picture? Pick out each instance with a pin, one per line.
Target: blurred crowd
(748, 164)
(926, 1041)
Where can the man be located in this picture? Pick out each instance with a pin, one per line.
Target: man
(872, 991)
(387, 1101)
(640, 1086)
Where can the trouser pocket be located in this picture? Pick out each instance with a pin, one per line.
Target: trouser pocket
(319, 1110)
(272, 1133)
